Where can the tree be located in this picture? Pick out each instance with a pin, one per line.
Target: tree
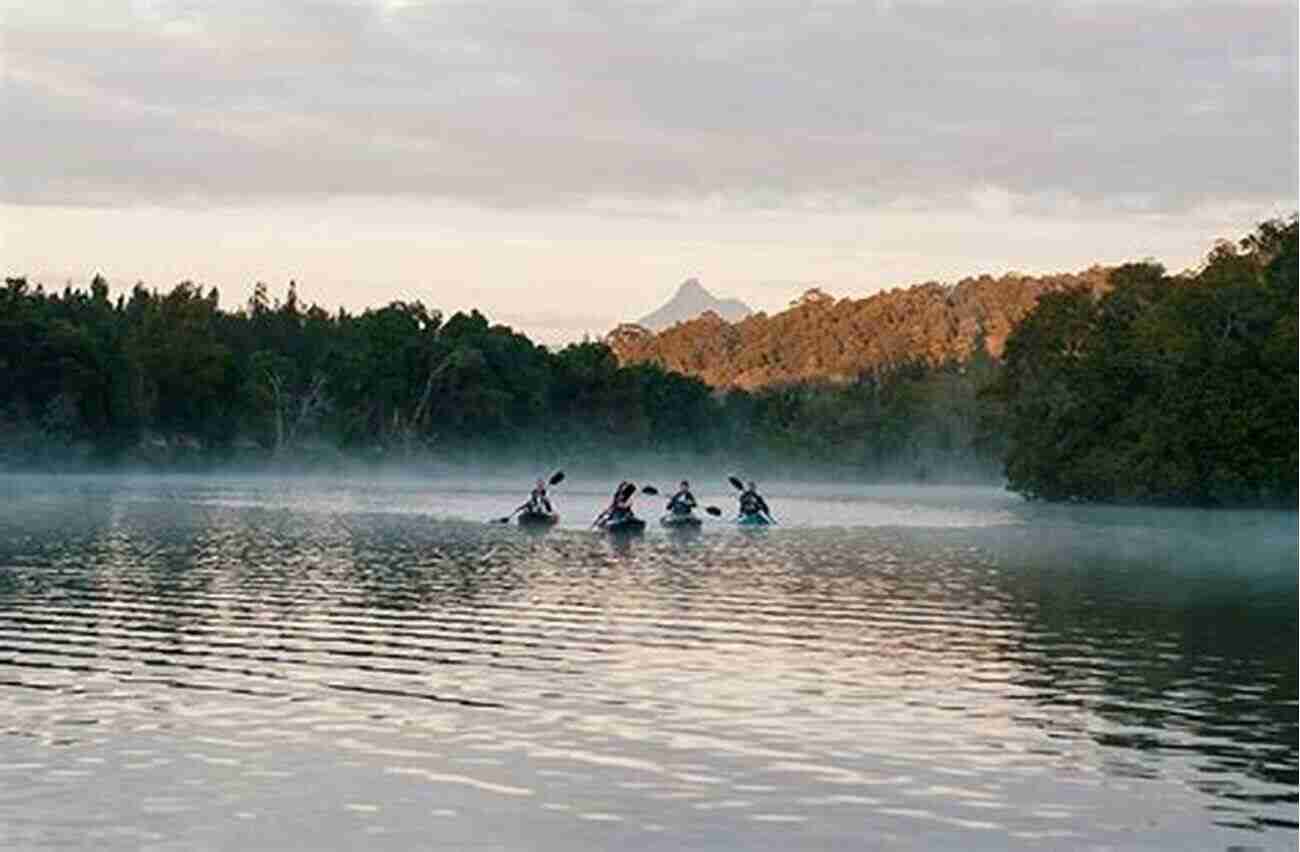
(1166, 390)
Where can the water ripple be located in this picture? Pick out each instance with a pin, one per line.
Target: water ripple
(241, 653)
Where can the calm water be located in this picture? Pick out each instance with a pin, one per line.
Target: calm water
(248, 664)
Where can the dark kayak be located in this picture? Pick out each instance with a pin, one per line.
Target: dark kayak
(681, 522)
(754, 520)
(538, 519)
(625, 524)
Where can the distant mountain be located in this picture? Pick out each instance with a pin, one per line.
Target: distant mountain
(691, 301)
(821, 338)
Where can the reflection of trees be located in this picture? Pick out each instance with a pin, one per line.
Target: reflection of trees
(103, 585)
(141, 561)
(408, 564)
(1184, 649)
(247, 600)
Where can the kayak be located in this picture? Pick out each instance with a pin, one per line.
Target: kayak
(538, 519)
(626, 524)
(681, 522)
(754, 520)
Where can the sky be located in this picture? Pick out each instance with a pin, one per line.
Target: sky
(563, 166)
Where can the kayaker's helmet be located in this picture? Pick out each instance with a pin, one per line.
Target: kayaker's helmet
(753, 486)
(541, 485)
(685, 485)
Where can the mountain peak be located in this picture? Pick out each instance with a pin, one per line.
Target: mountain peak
(690, 301)
(692, 287)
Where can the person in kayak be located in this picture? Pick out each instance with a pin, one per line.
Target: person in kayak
(620, 506)
(683, 502)
(538, 503)
(752, 503)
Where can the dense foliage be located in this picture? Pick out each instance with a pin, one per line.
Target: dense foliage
(1164, 390)
(820, 338)
(171, 377)
(1149, 388)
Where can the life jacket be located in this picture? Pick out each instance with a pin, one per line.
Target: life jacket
(681, 503)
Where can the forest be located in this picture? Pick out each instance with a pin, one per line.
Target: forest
(1153, 389)
(1169, 390)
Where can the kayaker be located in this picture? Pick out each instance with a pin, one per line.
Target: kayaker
(683, 502)
(538, 503)
(618, 517)
(621, 506)
(752, 503)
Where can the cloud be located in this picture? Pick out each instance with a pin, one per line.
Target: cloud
(653, 106)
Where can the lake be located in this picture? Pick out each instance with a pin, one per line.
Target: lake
(314, 663)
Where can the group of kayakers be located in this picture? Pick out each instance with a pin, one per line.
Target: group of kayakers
(619, 515)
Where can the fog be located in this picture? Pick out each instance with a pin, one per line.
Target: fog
(1015, 529)
(524, 459)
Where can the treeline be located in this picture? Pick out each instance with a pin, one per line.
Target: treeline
(1173, 390)
(168, 378)
(1163, 389)
(914, 420)
(171, 376)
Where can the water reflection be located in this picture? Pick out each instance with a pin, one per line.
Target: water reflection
(1068, 679)
(1181, 657)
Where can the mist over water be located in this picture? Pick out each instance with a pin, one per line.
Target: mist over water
(191, 662)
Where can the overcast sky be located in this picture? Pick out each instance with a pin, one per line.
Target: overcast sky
(564, 166)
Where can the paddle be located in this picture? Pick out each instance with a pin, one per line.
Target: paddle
(556, 479)
(712, 510)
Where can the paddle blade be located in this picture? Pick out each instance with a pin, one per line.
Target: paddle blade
(714, 511)
(628, 490)
(557, 477)
(649, 489)
(504, 520)
(736, 483)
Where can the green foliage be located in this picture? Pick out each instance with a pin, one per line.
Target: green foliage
(914, 421)
(1165, 390)
(168, 377)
